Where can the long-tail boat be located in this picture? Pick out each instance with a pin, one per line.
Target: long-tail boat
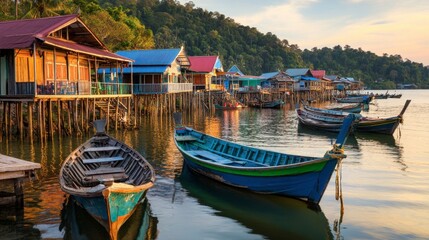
(259, 170)
(353, 108)
(266, 104)
(365, 124)
(107, 178)
(320, 124)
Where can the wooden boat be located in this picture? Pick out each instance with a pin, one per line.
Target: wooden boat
(360, 99)
(76, 223)
(249, 208)
(266, 104)
(319, 124)
(259, 170)
(229, 105)
(353, 108)
(328, 112)
(365, 124)
(395, 95)
(107, 178)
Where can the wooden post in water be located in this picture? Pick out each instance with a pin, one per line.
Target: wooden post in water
(59, 117)
(108, 114)
(21, 121)
(30, 120)
(116, 113)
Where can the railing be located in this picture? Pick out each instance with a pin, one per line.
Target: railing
(74, 88)
(162, 88)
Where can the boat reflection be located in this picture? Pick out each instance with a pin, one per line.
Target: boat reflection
(78, 224)
(14, 226)
(273, 217)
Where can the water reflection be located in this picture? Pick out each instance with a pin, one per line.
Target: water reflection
(14, 226)
(78, 224)
(273, 217)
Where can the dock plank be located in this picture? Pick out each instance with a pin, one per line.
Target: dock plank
(10, 164)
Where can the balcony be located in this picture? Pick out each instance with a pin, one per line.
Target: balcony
(160, 88)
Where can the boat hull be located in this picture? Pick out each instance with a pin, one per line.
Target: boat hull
(307, 182)
(111, 210)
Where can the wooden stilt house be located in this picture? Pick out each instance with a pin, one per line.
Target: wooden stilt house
(48, 75)
(202, 70)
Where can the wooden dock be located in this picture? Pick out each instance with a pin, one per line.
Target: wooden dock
(14, 171)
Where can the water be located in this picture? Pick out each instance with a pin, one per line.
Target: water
(384, 180)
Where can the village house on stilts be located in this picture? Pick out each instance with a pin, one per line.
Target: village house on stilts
(49, 81)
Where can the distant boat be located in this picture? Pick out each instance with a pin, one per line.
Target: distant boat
(320, 124)
(259, 170)
(359, 99)
(353, 108)
(266, 104)
(107, 178)
(229, 105)
(399, 95)
(365, 124)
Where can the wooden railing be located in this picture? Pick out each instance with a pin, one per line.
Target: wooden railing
(161, 88)
(74, 88)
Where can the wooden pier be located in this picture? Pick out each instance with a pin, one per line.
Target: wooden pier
(14, 171)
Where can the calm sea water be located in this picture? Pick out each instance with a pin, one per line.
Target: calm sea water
(384, 183)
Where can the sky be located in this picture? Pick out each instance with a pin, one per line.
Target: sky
(395, 27)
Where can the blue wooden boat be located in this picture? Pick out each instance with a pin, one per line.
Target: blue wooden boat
(107, 178)
(320, 124)
(266, 104)
(354, 108)
(366, 99)
(76, 223)
(259, 170)
(365, 124)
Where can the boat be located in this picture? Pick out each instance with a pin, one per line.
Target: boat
(359, 99)
(329, 112)
(268, 216)
(229, 105)
(266, 104)
(365, 124)
(320, 124)
(259, 170)
(107, 178)
(76, 223)
(353, 108)
(399, 95)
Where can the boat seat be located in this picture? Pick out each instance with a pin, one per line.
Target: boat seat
(105, 170)
(102, 160)
(98, 149)
(186, 138)
(211, 156)
(116, 177)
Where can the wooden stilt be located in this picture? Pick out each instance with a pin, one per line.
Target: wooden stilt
(30, 120)
(107, 114)
(59, 117)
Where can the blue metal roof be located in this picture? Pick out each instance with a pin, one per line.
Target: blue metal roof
(236, 70)
(269, 75)
(140, 69)
(309, 78)
(151, 57)
(293, 72)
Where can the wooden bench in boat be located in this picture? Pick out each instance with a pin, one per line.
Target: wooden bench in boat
(214, 157)
(105, 170)
(102, 160)
(98, 149)
(187, 138)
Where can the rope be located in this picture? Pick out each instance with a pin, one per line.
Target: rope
(338, 177)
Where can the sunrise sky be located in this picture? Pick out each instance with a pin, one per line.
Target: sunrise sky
(379, 26)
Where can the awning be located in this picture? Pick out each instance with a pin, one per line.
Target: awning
(75, 47)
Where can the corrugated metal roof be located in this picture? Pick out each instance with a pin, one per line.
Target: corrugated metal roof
(318, 73)
(22, 33)
(235, 69)
(140, 69)
(83, 49)
(204, 64)
(269, 75)
(152, 57)
(293, 72)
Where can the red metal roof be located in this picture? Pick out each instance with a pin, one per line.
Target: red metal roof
(318, 73)
(22, 33)
(72, 46)
(204, 64)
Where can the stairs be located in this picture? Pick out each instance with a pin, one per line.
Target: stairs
(107, 107)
